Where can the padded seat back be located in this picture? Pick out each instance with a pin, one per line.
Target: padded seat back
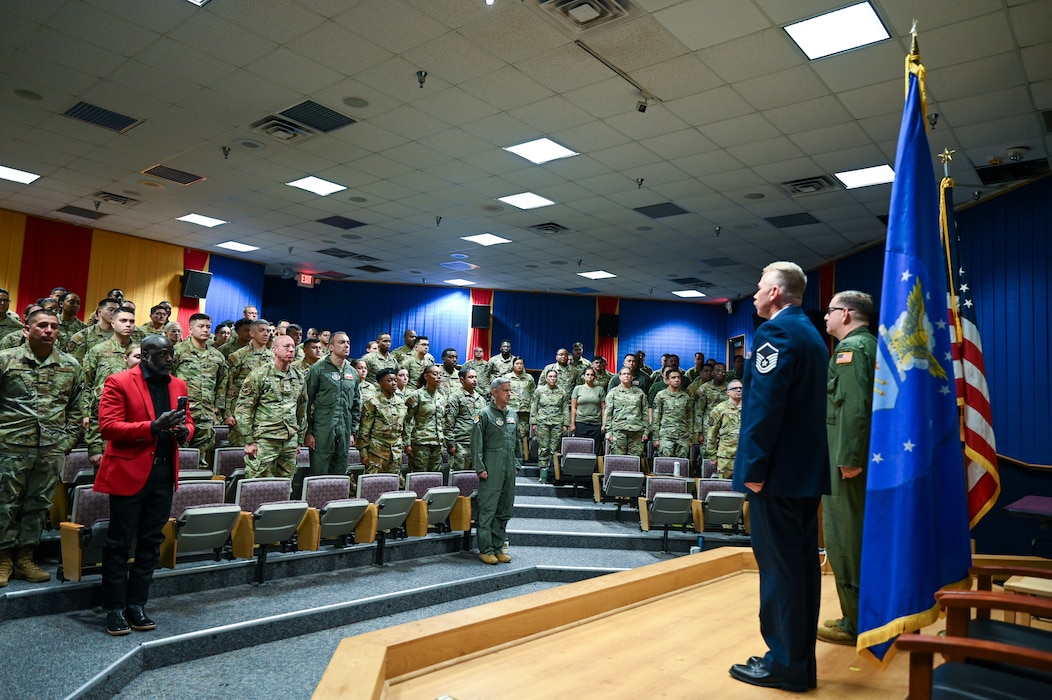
(89, 507)
(393, 508)
(665, 484)
(196, 493)
(277, 521)
(251, 493)
(620, 463)
(340, 517)
(577, 445)
(671, 509)
(189, 458)
(466, 480)
(202, 528)
(354, 456)
(372, 486)
(320, 490)
(723, 510)
(578, 464)
(76, 463)
(667, 465)
(228, 460)
(420, 482)
(624, 484)
(440, 501)
(222, 435)
(707, 486)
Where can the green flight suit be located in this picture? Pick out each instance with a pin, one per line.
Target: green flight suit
(333, 414)
(496, 450)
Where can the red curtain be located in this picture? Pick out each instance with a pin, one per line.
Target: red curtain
(607, 347)
(54, 254)
(826, 290)
(480, 337)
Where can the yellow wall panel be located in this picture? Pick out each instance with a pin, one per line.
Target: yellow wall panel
(148, 271)
(12, 234)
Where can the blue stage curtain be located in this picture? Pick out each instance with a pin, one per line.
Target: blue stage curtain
(235, 284)
(658, 327)
(539, 324)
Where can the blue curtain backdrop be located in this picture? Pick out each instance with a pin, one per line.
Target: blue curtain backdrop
(863, 271)
(365, 310)
(235, 284)
(657, 327)
(539, 324)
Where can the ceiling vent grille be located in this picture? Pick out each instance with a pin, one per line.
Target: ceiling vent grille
(333, 275)
(549, 229)
(372, 268)
(660, 211)
(100, 116)
(119, 200)
(577, 17)
(81, 212)
(790, 220)
(693, 282)
(284, 130)
(720, 262)
(810, 185)
(341, 222)
(173, 175)
(311, 114)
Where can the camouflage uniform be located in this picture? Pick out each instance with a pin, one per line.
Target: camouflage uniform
(550, 412)
(300, 363)
(380, 434)
(450, 381)
(101, 361)
(204, 372)
(148, 329)
(404, 351)
(366, 391)
(415, 368)
(482, 372)
(603, 378)
(87, 338)
(721, 441)
(271, 411)
(499, 367)
(239, 365)
(67, 329)
(39, 422)
(625, 420)
(706, 397)
(375, 362)
(461, 410)
(13, 340)
(424, 429)
(10, 324)
(522, 389)
(580, 365)
(231, 346)
(333, 413)
(568, 376)
(673, 424)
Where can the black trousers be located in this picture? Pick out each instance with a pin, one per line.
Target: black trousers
(139, 519)
(590, 430)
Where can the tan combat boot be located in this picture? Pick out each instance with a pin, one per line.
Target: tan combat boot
(6, 566)
(26, 568)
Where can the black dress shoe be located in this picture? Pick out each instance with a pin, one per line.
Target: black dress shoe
(116, 625)
(755, 673)
(137, 619)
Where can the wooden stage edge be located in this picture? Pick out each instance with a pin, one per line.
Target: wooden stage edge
(364, 666)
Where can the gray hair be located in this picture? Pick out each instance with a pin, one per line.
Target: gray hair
(499, 381)
(790, 278)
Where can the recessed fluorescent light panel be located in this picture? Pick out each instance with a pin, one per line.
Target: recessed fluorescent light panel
(316, 185)
(688, 293)
(597, 275)
(459, 282)
(541, 151)
(17, 175)
(239, 247)
(839, 31)
(864, 177)
(486, 239)
(526, 200)
(202, 220)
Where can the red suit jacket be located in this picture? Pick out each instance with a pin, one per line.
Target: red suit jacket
(125, 414)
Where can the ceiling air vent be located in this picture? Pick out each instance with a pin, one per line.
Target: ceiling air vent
(1012, 172)
(119, 200)
(576, 17)
(81, 212)
(337, 252)
(790, 220)
(660, 211)
(333, 275)
(693, 282)
(549, 229)
(311, 114)
(173, 175)
(372, 268)
(720, 262)
(810, 185)
(341, 222)
(100, 116)
(284, 130)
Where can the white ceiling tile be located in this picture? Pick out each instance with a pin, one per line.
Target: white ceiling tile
(103, 29)
(1038, 62)
(514, 34)
(851, 159)
(766, 151)
(931, 14)
(707, 163)
(744, 129)
(189, 65)
(397, 27)
(679, 144)
(1031, 23)
(974, 77)
(710, 106)
(868, 65)
(450, 105)
(832, 138)
(635, 44)
(991, 106)
(564, 68)
(656, 121)
(975, 38)
(506, 88)
(703, 23)
(794, 169)
(411, 122)
(210, 34)
(875, 100)
(552, 114)
(293, 71)
(808, 116)
(753, 55)
(454, 58)
(338, 48)
(605, 99)
(500, 130)
(782, 88)
(629, 155)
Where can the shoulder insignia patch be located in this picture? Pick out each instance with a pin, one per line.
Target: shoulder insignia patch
(844, 358)
(766, 358)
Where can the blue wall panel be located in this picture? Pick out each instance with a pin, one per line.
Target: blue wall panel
(539, 324)
(657, 327)
(863, 271)
(235, 285)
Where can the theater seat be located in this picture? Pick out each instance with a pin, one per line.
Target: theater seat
(718, 508)
(84, 534)
(332, 515)
(435, 502)
(229, 464)
(582, 465)
(268, 517)
(76, 470)
(621, 482)
(667, 505)
(199, 522)
(462, 517)
(391, 506)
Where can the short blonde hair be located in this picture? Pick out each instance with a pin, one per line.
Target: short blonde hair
(789, 277)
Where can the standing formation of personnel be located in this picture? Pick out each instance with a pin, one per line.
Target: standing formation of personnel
(380, 432)
(550, 417)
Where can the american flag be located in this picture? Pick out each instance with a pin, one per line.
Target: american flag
(969, 370)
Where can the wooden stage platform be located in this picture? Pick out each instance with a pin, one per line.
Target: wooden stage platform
(668, 630)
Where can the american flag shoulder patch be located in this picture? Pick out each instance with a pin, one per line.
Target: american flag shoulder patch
(844, 358)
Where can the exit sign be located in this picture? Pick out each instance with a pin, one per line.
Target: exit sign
(304, 280)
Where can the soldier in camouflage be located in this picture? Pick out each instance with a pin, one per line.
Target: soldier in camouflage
(550, 415)
(204, 370)
(271, 412)
(333, 408)
(239, 365)
(101, 361)
(423, 433)
(522, 388)
(721, 443)
(68, 323)
(450, 372)
(480, 366)
(379, 437)
(501, 364)
(673, 418)
(602, 375)
(9, 323)
(379, 359)
(578, 361)
(239, 338)
(312, 351)
(462, 407)
(406, 349)
(158, 320)
(39, 422)
(84, 339)
(709, 394)
(568, 374)
(366, 390)
(417, 362)
(624, 418)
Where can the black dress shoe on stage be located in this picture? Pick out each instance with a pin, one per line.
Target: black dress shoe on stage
(137, 619)
(116, 625)
(755, 672)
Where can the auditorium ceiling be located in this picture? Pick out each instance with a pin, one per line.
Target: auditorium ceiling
(137, 112)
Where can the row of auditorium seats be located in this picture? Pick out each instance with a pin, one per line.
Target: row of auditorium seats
(264, 515)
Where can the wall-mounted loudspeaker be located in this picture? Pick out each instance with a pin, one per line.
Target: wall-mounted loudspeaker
(195, 283)
(480, 316)
(608, 325)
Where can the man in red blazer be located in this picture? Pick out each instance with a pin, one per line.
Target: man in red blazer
(140, 418)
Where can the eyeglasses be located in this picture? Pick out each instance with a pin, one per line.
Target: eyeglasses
(734, 388)
(831, 309)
